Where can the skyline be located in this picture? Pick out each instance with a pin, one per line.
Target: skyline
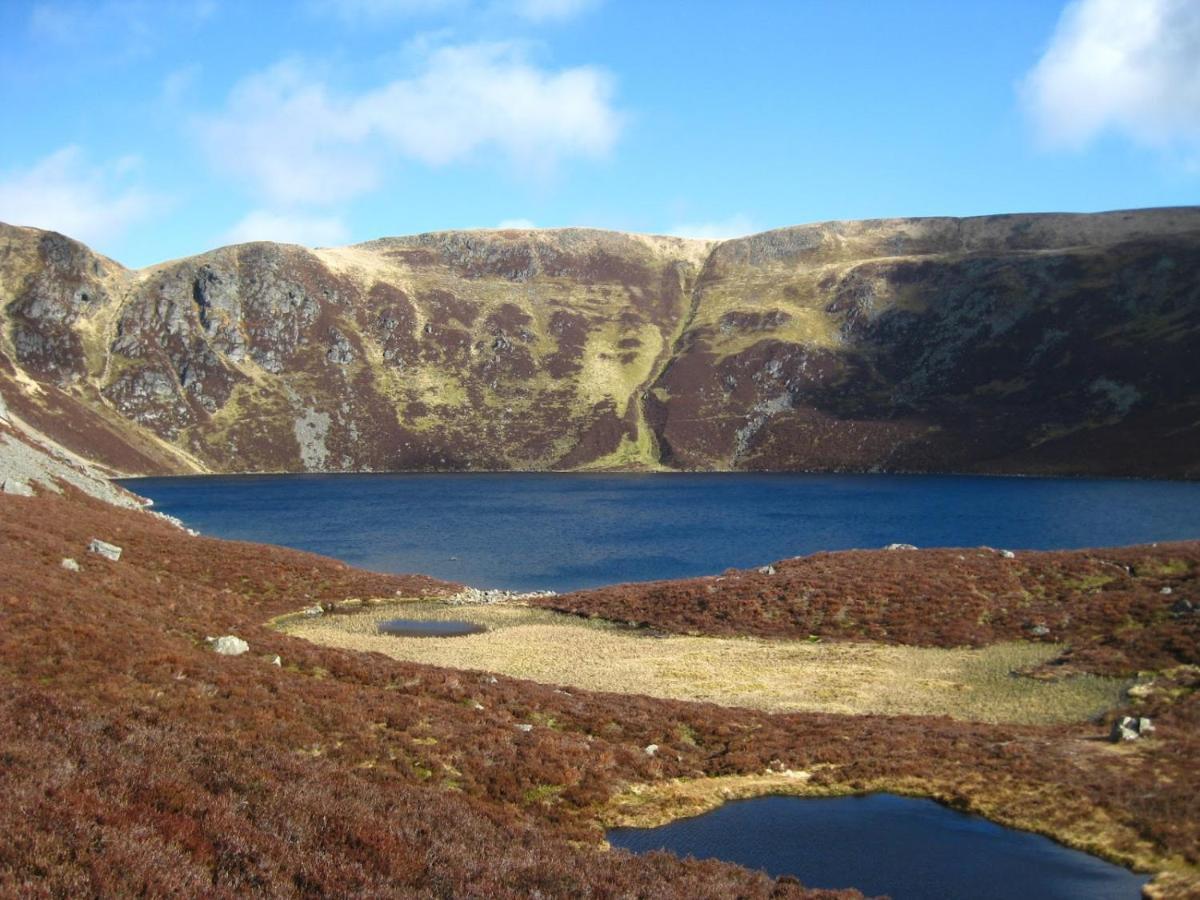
(202, 123)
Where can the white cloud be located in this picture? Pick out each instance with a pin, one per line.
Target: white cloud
(290, 140)
(289, 228)
(516, 224)
(1125, 66)
(65, 193)
(297, 142)
(737, 225)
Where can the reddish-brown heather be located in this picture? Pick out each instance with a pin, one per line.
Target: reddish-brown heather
(135, 760)
(1108, 605)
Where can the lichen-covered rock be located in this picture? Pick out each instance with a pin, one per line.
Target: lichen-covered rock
(105, 549)
(230, 645)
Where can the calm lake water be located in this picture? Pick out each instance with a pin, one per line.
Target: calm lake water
(553, 531)
(884, 844)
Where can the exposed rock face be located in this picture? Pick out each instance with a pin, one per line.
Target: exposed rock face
(1036, 343)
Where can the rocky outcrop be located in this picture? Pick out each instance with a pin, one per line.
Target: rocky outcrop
(1028, 343)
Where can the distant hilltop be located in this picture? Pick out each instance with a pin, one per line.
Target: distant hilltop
(1040, 343)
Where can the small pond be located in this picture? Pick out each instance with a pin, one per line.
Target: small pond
(429, 628)
(885, 844)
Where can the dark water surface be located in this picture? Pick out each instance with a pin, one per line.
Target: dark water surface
(884, 844)
(429, 628)
(526, 531)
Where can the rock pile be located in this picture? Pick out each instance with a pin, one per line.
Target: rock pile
(477, 597)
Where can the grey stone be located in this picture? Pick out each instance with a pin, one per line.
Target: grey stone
(766, 570)
(230, 645)
(900, 547)
(651, 749)
(70, 565)
(17, 488)
(1039, 630)
(1007, 554)
(1166, 591)
(1124, 729)
(105, 549)
(524, 727)
(1128, 728)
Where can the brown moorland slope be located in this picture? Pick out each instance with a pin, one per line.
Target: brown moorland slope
(1041, 343)
(136, 760)
(1121, 609)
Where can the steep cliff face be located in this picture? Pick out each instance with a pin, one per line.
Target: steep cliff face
(1038, 343)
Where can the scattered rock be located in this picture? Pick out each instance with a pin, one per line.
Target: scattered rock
(651, 749)
(524, 726)
(766, 570)
(900, 547)
(15, 488)
(70, 565)
(105, 549)
(230, 645)
(478, 707)
(1167, 591)
(1007, 554)
(313, 612)
(1184, 607)
(1039, 630)
(1128, 728)
(277, 662)
(475, 596)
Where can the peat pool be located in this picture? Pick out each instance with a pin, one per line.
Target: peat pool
(886, 844)
(429, 628)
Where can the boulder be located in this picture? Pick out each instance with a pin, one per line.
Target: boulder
(105, 549)
(651, 749)
(766, 570)
(525, 726)
(1128, 728)
(16, 488)
(900, 547)
(70, 565)
(230, 645)
(1039, 630)
(1007, 554)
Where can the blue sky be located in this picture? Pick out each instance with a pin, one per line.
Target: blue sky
(154, 130)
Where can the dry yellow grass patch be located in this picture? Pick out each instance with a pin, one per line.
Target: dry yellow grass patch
(777, 676)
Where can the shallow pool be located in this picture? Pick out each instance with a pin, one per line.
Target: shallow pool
(429, 628)
(885, 844)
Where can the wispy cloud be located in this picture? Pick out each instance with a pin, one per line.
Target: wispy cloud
(64, 192)
(296, 141)
(289, 228)
(359, 11)
(1130, 67)
(376, 11)
(550, 10)
(737, 225)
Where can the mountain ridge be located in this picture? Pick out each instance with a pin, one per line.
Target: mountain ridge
(1046, 343)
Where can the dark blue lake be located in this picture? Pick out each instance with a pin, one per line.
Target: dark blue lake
(527, 531)
(883, 844)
